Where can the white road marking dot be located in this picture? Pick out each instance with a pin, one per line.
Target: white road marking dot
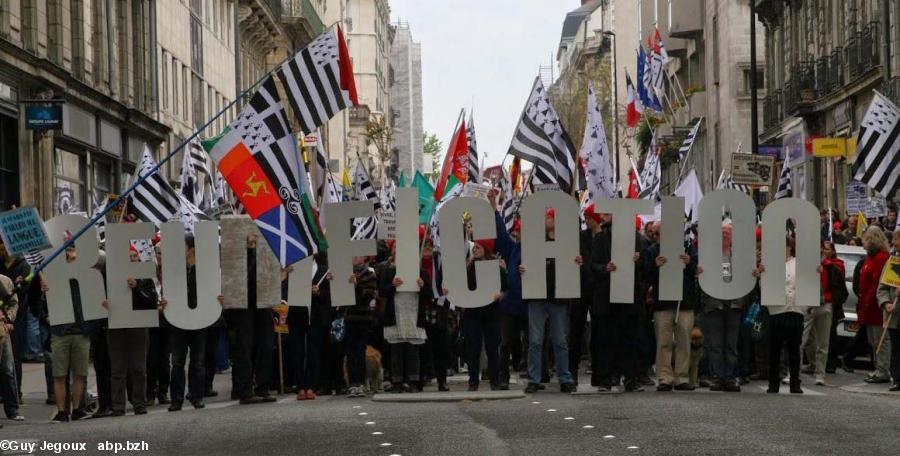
(363, 413)
(385, 444)
(370, 423)
(357, 406)
(394, 454)
(569, 418)
(633, 447)
(609, 436)
(551, 410)
(535, 402)
(588, 426)
(378, 433)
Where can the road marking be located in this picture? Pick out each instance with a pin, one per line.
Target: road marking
(385, 444)
(370, 423)
(609, 437)
(378, 433)
(551, 410)
(363, 413)
(633, 447)
(569, 418)
(587, 426)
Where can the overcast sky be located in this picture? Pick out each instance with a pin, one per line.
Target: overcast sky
(484, 53)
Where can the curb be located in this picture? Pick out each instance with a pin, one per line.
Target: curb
(863, 388)
(451, 396)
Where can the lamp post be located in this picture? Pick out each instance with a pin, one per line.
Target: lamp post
(615, 98)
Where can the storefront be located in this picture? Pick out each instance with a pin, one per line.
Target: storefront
(9, 147)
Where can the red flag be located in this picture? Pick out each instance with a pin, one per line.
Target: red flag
(514, 171)
(456, 161)
(633, 189)
(633, 107)
(347, 81)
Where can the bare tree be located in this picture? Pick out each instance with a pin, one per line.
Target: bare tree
(380, 134)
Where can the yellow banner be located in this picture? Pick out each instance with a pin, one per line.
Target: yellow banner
(829, 147)
(890, 276)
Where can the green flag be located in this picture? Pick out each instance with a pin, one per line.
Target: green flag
(402, 181)
(426, 197)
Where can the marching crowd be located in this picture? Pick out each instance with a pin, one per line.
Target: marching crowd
(699, 342)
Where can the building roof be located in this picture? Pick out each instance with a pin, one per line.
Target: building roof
(574, 19)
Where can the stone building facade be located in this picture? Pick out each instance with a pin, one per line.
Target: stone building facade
(406, 103)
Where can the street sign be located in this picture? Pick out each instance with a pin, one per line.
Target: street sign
(753, 169)
(829, 147)
(22, 231)
(42, 118)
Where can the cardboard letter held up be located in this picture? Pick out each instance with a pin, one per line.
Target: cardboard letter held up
(806, 227)
(743, 244)
(119, 269)
(58, 273)
(174, 272)
(671, 242)
(536, 249)
(623, 212)
(453, 252)
(342, 249)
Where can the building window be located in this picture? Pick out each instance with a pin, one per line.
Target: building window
(185, 88)
(102, 181)
(69, 183)
(197, 93)
(164, 84)
(196, 45)
(746, 87)
(175, 65)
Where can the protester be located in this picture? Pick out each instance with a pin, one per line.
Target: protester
(889, 222)
(817, 321)
(187, 340)
(513, 311)
(17, 270)
(722, 321)
(672, 319)
(869, 311)
(404, 356)
(358, 319)
(785, 326)
(581, 308)
(435, 352)
(9, 304)
(159, 350)
(887, 296)
(482, 324)
(70, 344)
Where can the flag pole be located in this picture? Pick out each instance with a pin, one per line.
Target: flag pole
(94, 219)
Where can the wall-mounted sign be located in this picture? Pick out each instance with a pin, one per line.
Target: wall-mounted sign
(829, 147)
(42, 118)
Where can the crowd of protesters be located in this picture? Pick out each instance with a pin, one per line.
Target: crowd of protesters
(698, 342)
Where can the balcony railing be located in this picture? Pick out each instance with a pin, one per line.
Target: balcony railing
(862, 51)
(835, 71)
(801, 88)
(772, 110)
(822, 73)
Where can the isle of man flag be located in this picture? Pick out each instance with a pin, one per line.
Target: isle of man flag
(259, 159)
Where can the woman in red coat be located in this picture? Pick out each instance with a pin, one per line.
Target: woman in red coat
(868, 310)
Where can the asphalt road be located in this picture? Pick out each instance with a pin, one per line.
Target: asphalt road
(825, 420)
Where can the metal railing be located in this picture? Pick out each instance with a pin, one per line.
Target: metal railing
(304, 9)
(862, 51)
(822, 73)
(772, 110)
(835, 71)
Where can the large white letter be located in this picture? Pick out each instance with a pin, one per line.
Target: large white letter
(671, 246)
(536, 249)
(58, 274)
(206, 266)
(806, 221)
(119, 269)
(742, 257)
(407, 239)
(623, 212)
(342, 249)
(453, 252)
(235, 230)
(300, 282)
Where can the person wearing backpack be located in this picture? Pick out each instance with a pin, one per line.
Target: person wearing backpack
(817, 321)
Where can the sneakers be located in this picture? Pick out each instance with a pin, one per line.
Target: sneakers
(17, 417)
(60, 417)
(356, 391)
(716, 384)
(664, 387)
(77, 414)
(684, 387)
(633, 387)
(875, 379)
(820, 382)
(531, 388)
(604, 389)
(442, 386)
(568, 388)
(894, 388)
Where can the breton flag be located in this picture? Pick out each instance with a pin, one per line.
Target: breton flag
(647, 96)
(727, 182)
(508, 209)
(685, 148)
(153, 200)
(474, 168)
(594, 152)
(320, 168)
(651, 174)
(258, 157)
(193, 169)
(784, 189)
(658, 61)
(363, 190)
(541, 139)
(633, 108)
(456, 162)
(319, 80)
(99, 205)
(877, 162)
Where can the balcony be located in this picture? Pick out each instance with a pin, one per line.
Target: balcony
(301, 19)
(862, 51)
(359, 116)
(772, 110)
(835, 71)
(801, 88)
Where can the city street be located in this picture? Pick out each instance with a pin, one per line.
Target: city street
(826, 420)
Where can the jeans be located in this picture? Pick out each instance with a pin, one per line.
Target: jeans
(102, 369)
(355, 350)
(481, 327)
(158, 366)
(785, 331)
(513, 329)
(128, 360)
(578, 313)
(8, 387)
(721, 328)
(669, 352)
(253, 341)
(883, 357)
(816, 337)
(182, 342)
(34, 346)
(538, 314)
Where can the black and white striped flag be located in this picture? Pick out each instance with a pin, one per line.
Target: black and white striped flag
(320, 168)
(99, 204)
(155, 201)
(651, 174)
(877, 162)
(785, 189)
(508, 211)
(319, 80)
(474, 168)
(363, 190)
(195, 176)
(727, 182)
(541, 139)
(688, 143)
